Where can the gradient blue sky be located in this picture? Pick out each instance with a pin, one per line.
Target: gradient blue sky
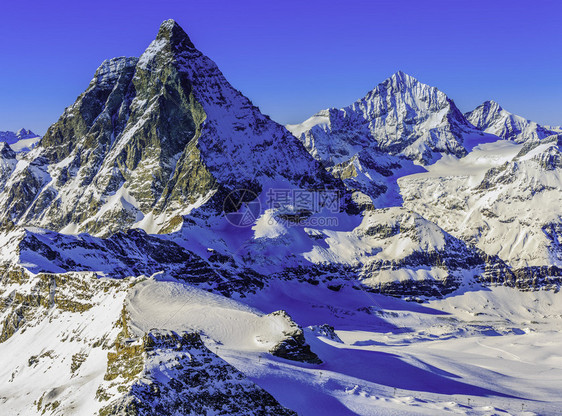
(292, 58)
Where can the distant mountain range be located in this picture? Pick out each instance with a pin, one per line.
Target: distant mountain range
(22, 140)
(492, 118)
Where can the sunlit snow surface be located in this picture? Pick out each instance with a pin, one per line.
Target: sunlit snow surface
(480, 351)
(507, 217)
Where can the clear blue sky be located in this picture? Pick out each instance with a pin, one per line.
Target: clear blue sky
(292, 58)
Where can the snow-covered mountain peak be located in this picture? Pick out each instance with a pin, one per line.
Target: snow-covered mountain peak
(173, 33)
(10, 137)
(493, 105)
(401, 116)
(25, 134)
(150, 140)
(170, 41)
(492, 118)
(405, 97)
(400, 80)
(6, 151)
(124, 278)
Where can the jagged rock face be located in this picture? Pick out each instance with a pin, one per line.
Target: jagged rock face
(131, 253)
(525, 278)
(182, 376)
(8, 163)
(511, 209)
(492, 118)
(149, 140)
(400, 116)
(293, 346)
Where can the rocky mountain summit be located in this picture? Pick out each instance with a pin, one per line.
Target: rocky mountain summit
(150, 140)
(382, 136)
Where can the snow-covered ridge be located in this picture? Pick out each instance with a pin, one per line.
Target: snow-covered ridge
(401, 115)
(492, 118)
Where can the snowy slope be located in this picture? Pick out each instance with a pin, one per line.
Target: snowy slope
(391, 250)
(286, 312)
(73, 355)
(477, 352)
(58, 355)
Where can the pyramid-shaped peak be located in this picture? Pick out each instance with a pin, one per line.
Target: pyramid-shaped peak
(25, 134)
(401, 76)
(493, 105)
(398, 82)
(6, 151)
(171, 32)
(171, 39)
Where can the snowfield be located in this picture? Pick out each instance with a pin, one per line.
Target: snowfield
(479, 351)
